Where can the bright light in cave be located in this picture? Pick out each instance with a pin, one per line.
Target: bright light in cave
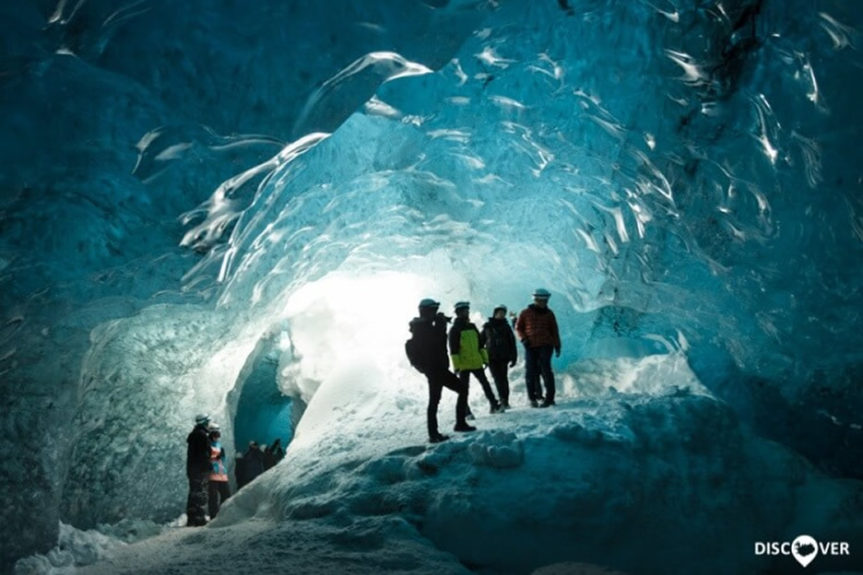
(347, 333)
(344, 318)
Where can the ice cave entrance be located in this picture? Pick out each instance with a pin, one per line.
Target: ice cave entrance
(261, 412)
(341, 333)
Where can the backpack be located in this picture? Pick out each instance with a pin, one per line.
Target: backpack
(412, 351)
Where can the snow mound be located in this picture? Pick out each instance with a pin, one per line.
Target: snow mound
(594, 484)
(74, 548)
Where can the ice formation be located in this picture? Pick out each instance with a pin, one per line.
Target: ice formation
(235, 209)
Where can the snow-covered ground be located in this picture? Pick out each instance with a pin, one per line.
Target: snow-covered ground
(638, 469)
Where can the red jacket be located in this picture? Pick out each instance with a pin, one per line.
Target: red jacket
(538, 326)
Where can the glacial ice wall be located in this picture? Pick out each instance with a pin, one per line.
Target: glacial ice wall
(119, 119)
(672, 173)
(177, 182)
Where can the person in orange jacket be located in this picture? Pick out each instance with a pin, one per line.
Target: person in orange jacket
(220, 490)
(536, 327)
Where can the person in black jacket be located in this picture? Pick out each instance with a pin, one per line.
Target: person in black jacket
(427, 352)
(276, 451)
(273, 453)
(198, 472)
(502, 351)
(249, 464)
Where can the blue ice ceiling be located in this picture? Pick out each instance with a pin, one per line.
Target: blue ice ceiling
(681, 175)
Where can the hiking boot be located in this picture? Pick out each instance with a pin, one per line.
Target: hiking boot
(533, 403)
(463, 427)
(437, 438)
(496, 408)
(505, 405)
(547, 403)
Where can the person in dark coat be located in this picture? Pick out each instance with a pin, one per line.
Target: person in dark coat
(274, 453)
(427, 352)
(240, 470)
(198, 472)
(249, 465)
(502, 351)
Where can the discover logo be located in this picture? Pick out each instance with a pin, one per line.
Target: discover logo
(804, 548)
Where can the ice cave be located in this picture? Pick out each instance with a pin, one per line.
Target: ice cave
(234, 208)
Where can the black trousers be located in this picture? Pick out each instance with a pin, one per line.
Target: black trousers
(479, 374)
(438, 380)
(196, 503)
(219, 492)
(500, 374)
(538, 362)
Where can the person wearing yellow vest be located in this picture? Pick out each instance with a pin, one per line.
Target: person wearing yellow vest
(468, 353)
(220, 490)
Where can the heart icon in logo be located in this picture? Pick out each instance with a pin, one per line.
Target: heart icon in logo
(804, 549)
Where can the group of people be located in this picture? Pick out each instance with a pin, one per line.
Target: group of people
(208, 477)
(431, 348)
(256, 460)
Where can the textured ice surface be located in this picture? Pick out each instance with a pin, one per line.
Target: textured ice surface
(181, 185)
